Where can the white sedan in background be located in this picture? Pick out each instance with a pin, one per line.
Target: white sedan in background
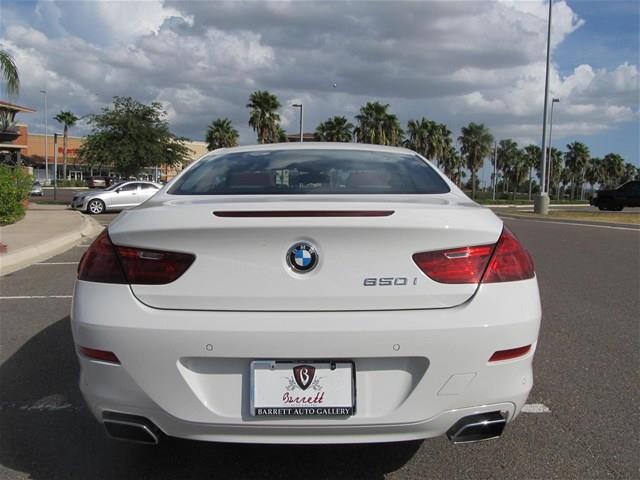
(306, 293)
(118, 196)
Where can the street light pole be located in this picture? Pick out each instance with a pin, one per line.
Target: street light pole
(495, 168)
(299, 105)
(46, 148)
(541, 204)
(55, 166)
(555, 100)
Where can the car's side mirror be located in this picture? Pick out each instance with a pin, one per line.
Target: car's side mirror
(118, 190)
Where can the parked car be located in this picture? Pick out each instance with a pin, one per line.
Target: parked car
(36, 189)
(627, 195)
(118, 196)
(307, 293)
(96, 182)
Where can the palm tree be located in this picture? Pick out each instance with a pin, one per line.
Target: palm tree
(531, 154)
(476, 140)
(335, 129)
(631, 172)
(452, 164)
(555, 157)
(377, 125)
(264, 118)
(221, 134)
(613, 165)
(594, 173)
(576, 159)
(68, 119)
(511, 162)
(9, 73)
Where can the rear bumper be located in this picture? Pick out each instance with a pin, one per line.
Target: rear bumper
(417, 371)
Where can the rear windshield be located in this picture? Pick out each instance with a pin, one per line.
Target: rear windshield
(287, 172)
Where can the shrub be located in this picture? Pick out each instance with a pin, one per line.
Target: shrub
(15, 185)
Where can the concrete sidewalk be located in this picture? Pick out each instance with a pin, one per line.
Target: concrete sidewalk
(45, 231)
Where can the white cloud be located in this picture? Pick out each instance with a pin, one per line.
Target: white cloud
(452, 61)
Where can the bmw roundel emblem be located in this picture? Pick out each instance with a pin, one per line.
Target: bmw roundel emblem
(302, 257)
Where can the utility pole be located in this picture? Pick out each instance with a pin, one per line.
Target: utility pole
(55, 166)
(549, 173)
(46, 148)
(541, 204)
(495, 168)
(299, 105)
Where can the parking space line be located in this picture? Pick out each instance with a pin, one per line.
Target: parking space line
(535, 408)
(33, 297)
(568, 223)
(56, 263)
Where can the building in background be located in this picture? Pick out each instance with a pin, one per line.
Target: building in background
(13, 135)
(77, 170)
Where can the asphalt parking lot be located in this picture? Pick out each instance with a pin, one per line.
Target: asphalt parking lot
(585, 393)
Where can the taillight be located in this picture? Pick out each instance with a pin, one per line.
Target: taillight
(459, 265)
(506, 261)
(510, 261)
(100, 262)
(107, 263)
(153, 267)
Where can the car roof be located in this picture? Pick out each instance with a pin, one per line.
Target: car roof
(365, 147)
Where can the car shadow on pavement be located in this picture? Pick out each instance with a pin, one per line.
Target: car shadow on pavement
(47, 432)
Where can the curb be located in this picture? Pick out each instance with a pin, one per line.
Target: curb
(25, 257)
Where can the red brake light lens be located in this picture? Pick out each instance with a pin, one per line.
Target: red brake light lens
(510, 261)
(100, 262)
(107, 263)
(153, 267)
(459, 265)
(506, 261)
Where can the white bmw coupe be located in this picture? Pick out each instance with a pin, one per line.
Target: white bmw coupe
(306, 293)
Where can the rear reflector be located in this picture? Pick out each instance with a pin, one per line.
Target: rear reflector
(506, 261)
(302, 213)
(102, 355)
(107, 263)
(509, 354)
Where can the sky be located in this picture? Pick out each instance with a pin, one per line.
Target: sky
(451, 61)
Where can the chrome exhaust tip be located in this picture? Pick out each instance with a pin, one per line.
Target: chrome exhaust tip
(478, 427)
(131, 428)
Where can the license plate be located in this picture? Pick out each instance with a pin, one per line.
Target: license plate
(302, 389)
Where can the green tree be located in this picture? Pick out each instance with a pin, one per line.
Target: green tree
(9, 73)
(453, 165)
(476, 140)
(335, 129)
(613, 166)
(531, 154)
(68, 119)
(221, 134)
(281, 135)
(131, 136)
(576, 159)
(377, 125)
(264, 117)
(631, 172)
(430, 139)
(556, 166)
(594, 173)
